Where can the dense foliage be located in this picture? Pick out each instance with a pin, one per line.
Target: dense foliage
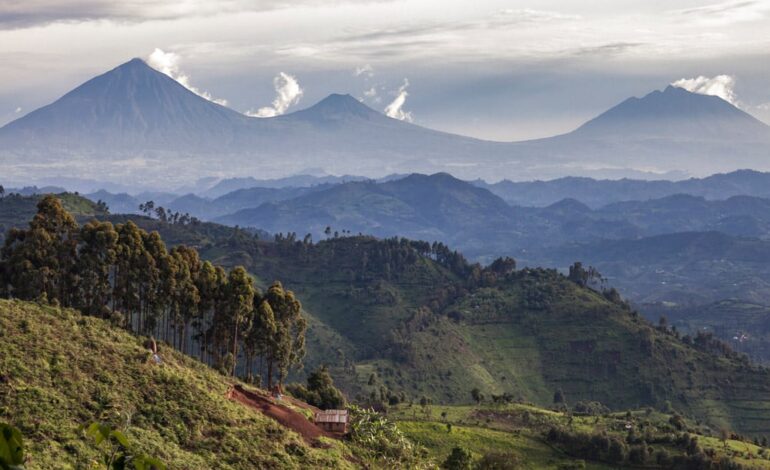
(127, 274)
(320, 390)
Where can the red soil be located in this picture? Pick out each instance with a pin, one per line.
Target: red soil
(286, 416)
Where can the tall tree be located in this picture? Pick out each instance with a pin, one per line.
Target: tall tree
(97, 254)
(288, 348)
(186, 297)
(239, 304)
(40, 260)
(130, 276)
(260, 340)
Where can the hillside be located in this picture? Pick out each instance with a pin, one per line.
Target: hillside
(55, 381)
(530, 437)
(678, 268)
(61, 370)
(398, 320)
(17, 210)
(420, 207)
(425, 328)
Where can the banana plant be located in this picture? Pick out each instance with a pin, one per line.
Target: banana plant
(118, 453)
(11, 448)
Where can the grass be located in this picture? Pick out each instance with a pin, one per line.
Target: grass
(520, 428)
(61, 370)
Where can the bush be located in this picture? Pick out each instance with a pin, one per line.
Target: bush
(499, 461)
(381, 440)
(590, 408)
(459, 459)
(320, 390)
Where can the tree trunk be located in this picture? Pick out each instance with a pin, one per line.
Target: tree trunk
(235, 348)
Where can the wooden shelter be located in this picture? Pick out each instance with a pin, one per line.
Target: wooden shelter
(335, 421)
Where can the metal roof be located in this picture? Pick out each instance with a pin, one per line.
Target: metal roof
(332, 416)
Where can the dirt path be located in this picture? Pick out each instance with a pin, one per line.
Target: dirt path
(283, 414)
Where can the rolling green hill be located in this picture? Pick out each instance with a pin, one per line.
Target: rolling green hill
(399, 320)
(60, 370)
(427, 326)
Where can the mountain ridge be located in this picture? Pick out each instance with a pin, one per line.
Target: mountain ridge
(135, 123)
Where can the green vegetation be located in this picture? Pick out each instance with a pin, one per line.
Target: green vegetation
(61, 370)
(11, 446)
(126, 273)
(320, 390)
(537, 438)
(426, 323)
(396, 322)
(118, 454)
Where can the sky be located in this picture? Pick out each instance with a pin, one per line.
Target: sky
(500, 70)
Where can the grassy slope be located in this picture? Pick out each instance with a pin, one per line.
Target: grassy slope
(519, 429)
(61, 370)
(580, 343)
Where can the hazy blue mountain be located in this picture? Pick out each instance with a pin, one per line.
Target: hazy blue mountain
(120, 203)
(130, 107)
(435, 207)
(229, 185)
(136, 124)
(676, 114)
(597, 193)
(207, 209)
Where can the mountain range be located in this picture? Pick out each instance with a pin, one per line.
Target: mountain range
(134, 123)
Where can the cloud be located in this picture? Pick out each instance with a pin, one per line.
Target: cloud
(288, 93)
(27, 13)
(168, 63)
(17, 110)
(366, 70)
(396, 107)
(722, 86)
(729, 12)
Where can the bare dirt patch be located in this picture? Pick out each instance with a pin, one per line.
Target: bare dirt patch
(284, 415)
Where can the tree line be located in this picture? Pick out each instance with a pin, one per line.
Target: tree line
(123, 273)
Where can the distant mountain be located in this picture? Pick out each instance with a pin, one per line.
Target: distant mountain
(120, 203)
(597, 193)
(128, 108)
(207, 209)
(675, 114)
(136, 124)
(229, 185)
(435, 207)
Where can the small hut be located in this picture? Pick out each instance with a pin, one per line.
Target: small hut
(335, 421)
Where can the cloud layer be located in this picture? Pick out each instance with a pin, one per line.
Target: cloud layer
(288, 93)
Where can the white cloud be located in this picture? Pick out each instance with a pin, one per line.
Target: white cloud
(722, 86)
(17, 110)
(168, 63)
(396, 107)
(366, 70)
(727, 13)
(372, 95)
(288, 93)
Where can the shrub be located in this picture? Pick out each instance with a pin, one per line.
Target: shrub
(499, 461)
(459, 459)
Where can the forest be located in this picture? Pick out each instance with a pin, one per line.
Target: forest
(122, 271)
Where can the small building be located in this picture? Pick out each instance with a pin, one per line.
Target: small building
(335, 421)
